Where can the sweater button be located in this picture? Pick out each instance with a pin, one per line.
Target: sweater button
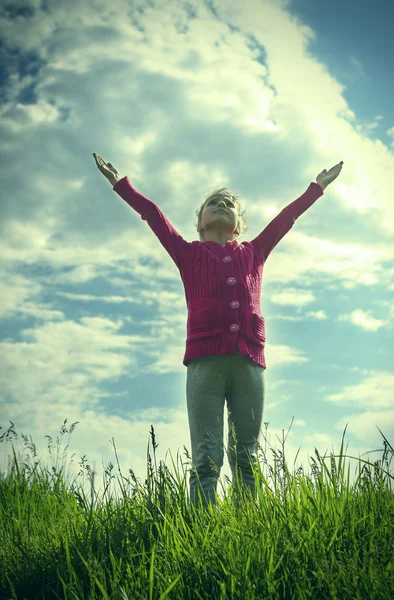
(227, 259)
(231, 281)
(234, 304)
(234, 328)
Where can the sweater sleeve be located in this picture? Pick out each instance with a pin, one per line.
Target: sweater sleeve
(168, 236)
(266, 241)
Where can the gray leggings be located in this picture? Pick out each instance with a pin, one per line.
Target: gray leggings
(211, 379)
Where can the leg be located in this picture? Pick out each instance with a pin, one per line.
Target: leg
(205, 393)
(245, 403)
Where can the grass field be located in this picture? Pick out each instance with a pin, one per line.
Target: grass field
(304, 536)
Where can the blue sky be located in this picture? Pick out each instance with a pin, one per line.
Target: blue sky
(183, 98)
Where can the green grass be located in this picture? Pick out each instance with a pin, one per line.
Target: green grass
(303, 536)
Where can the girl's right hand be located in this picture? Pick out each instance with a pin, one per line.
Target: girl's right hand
(107, 169)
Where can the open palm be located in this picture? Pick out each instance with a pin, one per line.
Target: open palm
(326, 177)
(107, 169)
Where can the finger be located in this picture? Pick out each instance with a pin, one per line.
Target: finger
(102, 162)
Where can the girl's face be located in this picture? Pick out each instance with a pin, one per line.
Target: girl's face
(219, 216)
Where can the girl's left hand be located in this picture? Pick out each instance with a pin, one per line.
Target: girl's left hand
(326, 177)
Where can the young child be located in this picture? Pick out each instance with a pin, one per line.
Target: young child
(225, 329)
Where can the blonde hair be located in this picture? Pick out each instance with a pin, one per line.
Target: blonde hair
(241, 225)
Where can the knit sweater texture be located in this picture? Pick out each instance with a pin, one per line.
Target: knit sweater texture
(222, 282)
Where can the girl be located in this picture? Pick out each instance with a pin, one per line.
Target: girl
(225, 329)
